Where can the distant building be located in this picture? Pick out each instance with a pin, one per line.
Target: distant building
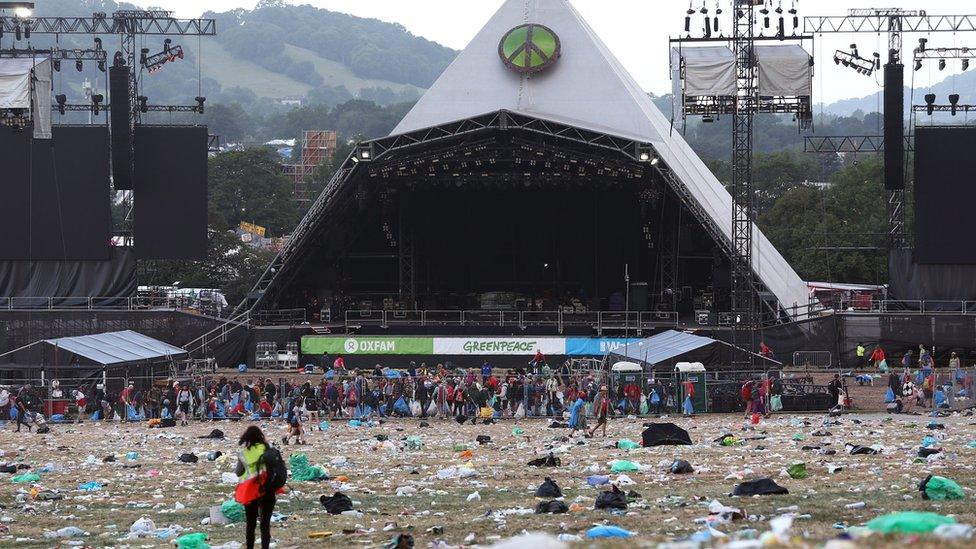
(291, 101)
(822, 185)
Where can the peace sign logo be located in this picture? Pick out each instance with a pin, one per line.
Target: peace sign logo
(530, 48)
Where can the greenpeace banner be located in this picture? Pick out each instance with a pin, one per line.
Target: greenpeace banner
(499, 345)
(317, 345)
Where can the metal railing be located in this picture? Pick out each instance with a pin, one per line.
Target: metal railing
(908, 306)
(600, 320)
(278, 317)
(137, 303)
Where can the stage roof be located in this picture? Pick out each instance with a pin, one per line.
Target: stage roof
(663, 346)
(117, 347)
(587, 88)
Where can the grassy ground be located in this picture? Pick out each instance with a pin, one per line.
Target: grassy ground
(668, 510)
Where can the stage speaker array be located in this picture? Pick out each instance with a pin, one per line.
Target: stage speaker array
(120, 86)
(894, 126)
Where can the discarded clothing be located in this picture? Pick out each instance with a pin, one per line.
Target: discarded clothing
(612, 499)
(336, 504)
(548, 461)
(553, 507)
(664, 434)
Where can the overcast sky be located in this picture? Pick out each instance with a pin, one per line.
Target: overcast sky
(637, 32)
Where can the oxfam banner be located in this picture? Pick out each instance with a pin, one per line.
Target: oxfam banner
(499, 345)
(317, 345)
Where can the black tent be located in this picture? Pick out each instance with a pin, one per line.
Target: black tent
(664, 434)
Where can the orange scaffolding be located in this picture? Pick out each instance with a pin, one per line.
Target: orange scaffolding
(318, 146)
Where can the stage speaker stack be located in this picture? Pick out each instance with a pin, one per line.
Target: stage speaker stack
(120, 86)
(894, 126)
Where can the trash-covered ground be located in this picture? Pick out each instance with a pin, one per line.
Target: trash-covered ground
(438, 484)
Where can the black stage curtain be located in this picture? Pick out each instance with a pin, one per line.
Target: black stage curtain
(41, 279)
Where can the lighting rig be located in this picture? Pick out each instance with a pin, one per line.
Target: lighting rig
(170, 53)
(751, 21)
(930, 107)
(895, 22)
(923, 53)
(853, 59)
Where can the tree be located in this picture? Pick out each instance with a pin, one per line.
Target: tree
(248, 186)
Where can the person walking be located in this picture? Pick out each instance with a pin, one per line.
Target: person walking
(834, 388)
(250, 466)
(601, 409)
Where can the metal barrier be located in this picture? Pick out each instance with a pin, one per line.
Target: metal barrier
(816, 359)
(278, 317)
(908, 306)
(599, 320)
(137, 303)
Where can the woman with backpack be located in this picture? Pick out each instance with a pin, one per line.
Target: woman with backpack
(259, 500)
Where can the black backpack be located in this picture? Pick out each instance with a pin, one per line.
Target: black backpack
(277, 472)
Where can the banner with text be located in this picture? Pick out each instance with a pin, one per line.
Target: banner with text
(591, 346)
(459, 346)
(499, 345)
(317, 345)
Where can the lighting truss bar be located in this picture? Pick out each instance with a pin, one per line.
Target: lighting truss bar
(718, 106)
(65, 54)
(946, 53)
(878, 21)
(854, 61)
(151, 108)
(728, 40)
(156, 62)
(848, 143)
(944, 108)
(121, 22)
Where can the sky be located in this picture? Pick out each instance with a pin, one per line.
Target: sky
(637, 31)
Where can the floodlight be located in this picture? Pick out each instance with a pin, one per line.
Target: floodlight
(97, 103)
(965, 64)
(953, 101)
(79, 65)
(200, 101)
(942, 64)
(930, 103)
(918, 64)
(23, 12)
(61, 99)
(655, 160)
(921, 43)
(56, 63)
(143, 103)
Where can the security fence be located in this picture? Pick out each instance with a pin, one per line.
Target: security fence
(471, 395)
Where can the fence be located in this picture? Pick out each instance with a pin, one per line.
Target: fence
(907, 306)
(817, 359)
(542, 394)
(600, 320)
(138, 303)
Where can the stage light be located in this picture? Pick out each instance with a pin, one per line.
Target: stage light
(877, 61)
(61, 99)
(965, 64)
(836, 60)
(930, 103)
(101, 66)
(23, 12)
(56, 63)
(953, 101)
(27, 30)
(17, 34)
(854, 50)
(690, 12)
(143, 103)
(143, 54)
(98, 44)
(921, 44)
(79, 65)
(200, 101)
(942, 64)
(97, 103)
(918, 64)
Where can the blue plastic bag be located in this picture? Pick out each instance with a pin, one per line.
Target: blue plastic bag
(57, 418)
(242, 368)
(131, 414)
(401, 407)
(889, 396)
(607, 532)
(597, 480)
(97, 416)
(688, 408)
(940, 399)
(14, 412)
(655, 399)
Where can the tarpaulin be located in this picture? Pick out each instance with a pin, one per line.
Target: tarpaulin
(58, 279)
(784, 70)
(708, 70)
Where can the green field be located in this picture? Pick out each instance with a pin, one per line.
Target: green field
(231, 71)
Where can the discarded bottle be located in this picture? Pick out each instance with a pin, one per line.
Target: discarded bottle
(858, 505)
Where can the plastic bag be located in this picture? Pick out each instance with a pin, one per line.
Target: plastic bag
(302, 471)
(549, 490)
(797, 471)
(889, 395)
(415, 409)
(197, 540)
(688, 408)
(613, 499)
(908, 523)
(623, 466)
(655, 399)
(233, 511)
(248, 490)
(627, 444)
(940, 488)
(607, 532)
(776, 403)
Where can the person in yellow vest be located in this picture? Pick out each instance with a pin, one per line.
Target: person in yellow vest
(249, 465)
(861, 352)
